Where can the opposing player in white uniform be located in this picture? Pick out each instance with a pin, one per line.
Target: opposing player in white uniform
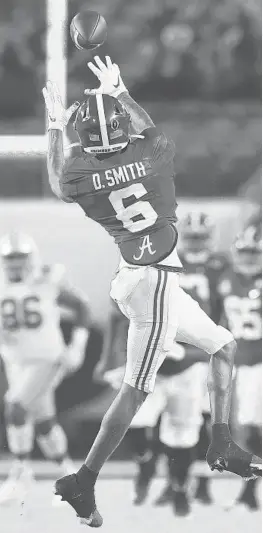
(240, 289)
(35, 356)
(126, 184)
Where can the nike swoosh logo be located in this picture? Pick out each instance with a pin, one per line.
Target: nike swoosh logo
(118, 83)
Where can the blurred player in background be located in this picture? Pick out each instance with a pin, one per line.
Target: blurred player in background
(202, 268)
(240, 289)
(126, 184)
(183, 377)
(35, 356)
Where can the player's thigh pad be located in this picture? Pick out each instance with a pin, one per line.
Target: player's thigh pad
(32, 383)
(182, 417)
(148, 297)
(196, 328)
(249, 395)
(152, 407)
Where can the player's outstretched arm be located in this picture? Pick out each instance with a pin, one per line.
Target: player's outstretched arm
(55, 162)
(58, 118)
(139, 117)
(108, 74)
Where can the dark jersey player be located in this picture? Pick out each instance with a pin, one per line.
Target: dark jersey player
(126, 184)
(240, 289)
(202, 269)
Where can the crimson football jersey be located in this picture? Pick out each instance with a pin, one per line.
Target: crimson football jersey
(131, 194)
(241, 298)
(200, 280)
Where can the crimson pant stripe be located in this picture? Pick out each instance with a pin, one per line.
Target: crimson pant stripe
(152, 330)
(161, 307)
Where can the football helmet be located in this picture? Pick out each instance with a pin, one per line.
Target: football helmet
(247, 250)
(102, 124)
(196, 233)
(18, 256)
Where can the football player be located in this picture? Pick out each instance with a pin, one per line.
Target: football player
(180, 431)
(35, 356)
(123, 178)
(240, 288)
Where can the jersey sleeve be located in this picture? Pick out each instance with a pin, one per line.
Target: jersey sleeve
(72, 174)
(158, 145)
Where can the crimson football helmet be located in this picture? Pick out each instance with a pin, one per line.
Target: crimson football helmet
(196, 231)
(102, 124)
(247, 250)
(18, 255)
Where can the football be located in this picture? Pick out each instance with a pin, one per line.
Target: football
(88, 30)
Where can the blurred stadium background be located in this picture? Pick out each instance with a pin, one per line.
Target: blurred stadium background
(196, 67)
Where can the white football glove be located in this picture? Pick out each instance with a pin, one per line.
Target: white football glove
(58, 116)
(109, 76)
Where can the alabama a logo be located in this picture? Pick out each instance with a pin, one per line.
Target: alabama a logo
(146, 245)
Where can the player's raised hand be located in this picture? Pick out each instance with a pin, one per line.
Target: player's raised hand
(108, 74)
(58, 116)
(225, 454)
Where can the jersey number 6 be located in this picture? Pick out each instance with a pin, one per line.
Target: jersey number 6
(142, 210)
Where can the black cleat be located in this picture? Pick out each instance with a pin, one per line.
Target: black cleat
(181, 505)
(165, 497)
(82, 500)
(143, 480)
(227, 455)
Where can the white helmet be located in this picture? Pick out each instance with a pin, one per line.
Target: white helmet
(18, 255)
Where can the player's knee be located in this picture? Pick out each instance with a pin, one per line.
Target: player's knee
(15, 414)
(135, 396)
(129, 401)
(44, 427)
(228, 351)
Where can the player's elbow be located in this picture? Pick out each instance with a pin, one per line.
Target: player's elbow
(61, 196)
